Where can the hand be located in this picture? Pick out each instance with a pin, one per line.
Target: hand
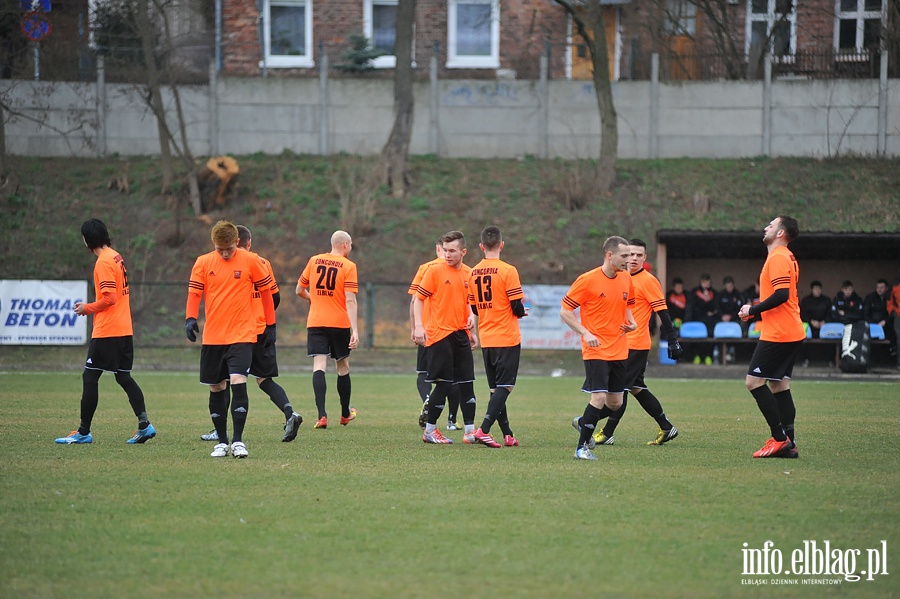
(269, 336)
(79, 308)
(191, 329)
(675, 350)
(591, 339)
(744, 312)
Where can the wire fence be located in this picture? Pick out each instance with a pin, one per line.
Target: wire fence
(158, 309)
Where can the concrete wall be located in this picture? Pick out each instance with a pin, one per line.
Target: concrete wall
(481, 119)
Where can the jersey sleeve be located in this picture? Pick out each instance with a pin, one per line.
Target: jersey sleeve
(654, 293)
(514, 285)
(417, 279)
(197, 283)
(574, 296)
(303, 281)
(780, 270)
(351, 280)
(426, 285)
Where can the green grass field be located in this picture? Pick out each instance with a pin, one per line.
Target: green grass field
(370, 511)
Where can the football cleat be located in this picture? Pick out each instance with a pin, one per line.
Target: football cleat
(142, 436)
(576, 424)
(469, 438)
(210, 436)
(584, 453)
(74, 438)
(291, 427)
(452, 426)
(322, 422)
(601, 439)
(664, 436)
(423, 415)
(707, 360)
(436, 438)
(239, 450)
(772, 448)
(484, 439)
(789, 452)
(220, 450)
(510, 441)
(696, 359)
(352, 416)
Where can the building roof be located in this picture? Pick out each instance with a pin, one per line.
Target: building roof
(818, 245)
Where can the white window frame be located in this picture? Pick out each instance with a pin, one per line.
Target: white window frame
(382, 62)
(457, 61)
(288, 62)
(770, 18)
(860, 15)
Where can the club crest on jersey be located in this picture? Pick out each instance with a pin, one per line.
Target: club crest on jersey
(237, 274)
(624, 296)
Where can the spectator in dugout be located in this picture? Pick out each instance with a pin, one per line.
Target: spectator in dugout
(815, 310)
(702, 307)
(847, 306)
(676, 300)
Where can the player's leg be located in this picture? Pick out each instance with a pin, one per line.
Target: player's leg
(340, 350)
(90, 393)
(439, 358)
(767, 365)
(238, 359)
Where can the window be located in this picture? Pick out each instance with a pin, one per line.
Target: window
(858, 25)
(288, 33)
(681, 17)
(473, 37)
(379, 25)
(773, 22)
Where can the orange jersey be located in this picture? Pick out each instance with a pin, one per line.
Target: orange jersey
(493, 284)
(110, 277)
(648, 298)
(229, 287)
(446, 289)
(257, 297)
(329, 278)
(782, 323)
(414, 286)
(603, 302)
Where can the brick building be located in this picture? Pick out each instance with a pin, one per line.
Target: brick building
(485, 39)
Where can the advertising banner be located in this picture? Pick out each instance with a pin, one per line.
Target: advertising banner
(42, 312)
(543, 328)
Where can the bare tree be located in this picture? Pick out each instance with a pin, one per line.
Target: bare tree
(587, 15)
(395, 154)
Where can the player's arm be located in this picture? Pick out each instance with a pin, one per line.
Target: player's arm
(418, 327)
(518, 308)
(302, 289)
(571, 320)
(778, 297)
(105, 302)
(630, 323)
(412, 318)
(351, 312)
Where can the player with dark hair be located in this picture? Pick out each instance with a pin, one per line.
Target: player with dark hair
(648, 299)
(228, 277)
(495, 293)
(447, 335)
(769, 374)
(422, 386)
(112, 340)
(604, 296)
(265, 364)
(329, 282)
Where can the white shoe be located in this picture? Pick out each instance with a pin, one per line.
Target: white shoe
(238, 450)
(220, 450)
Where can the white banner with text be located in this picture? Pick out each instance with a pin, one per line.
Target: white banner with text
(42, 312)
(543, 328)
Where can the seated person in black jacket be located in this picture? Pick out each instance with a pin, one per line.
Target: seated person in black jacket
(815, 308)
(847, 305)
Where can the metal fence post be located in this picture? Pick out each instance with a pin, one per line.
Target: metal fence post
(370, 316)
(323, 100)
(433, 125)
(101, 106)
(544, 96)
(767, 107)
(882, 104)
(654, 106)
(213, 108)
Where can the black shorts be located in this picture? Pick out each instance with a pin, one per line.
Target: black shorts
(264, 365)
(604, 376)
(219, 362)
(773, 361)
(421, 359)
(328, 341)
(635, 366)
(111, 354)
(450, 359)
(501, 365)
